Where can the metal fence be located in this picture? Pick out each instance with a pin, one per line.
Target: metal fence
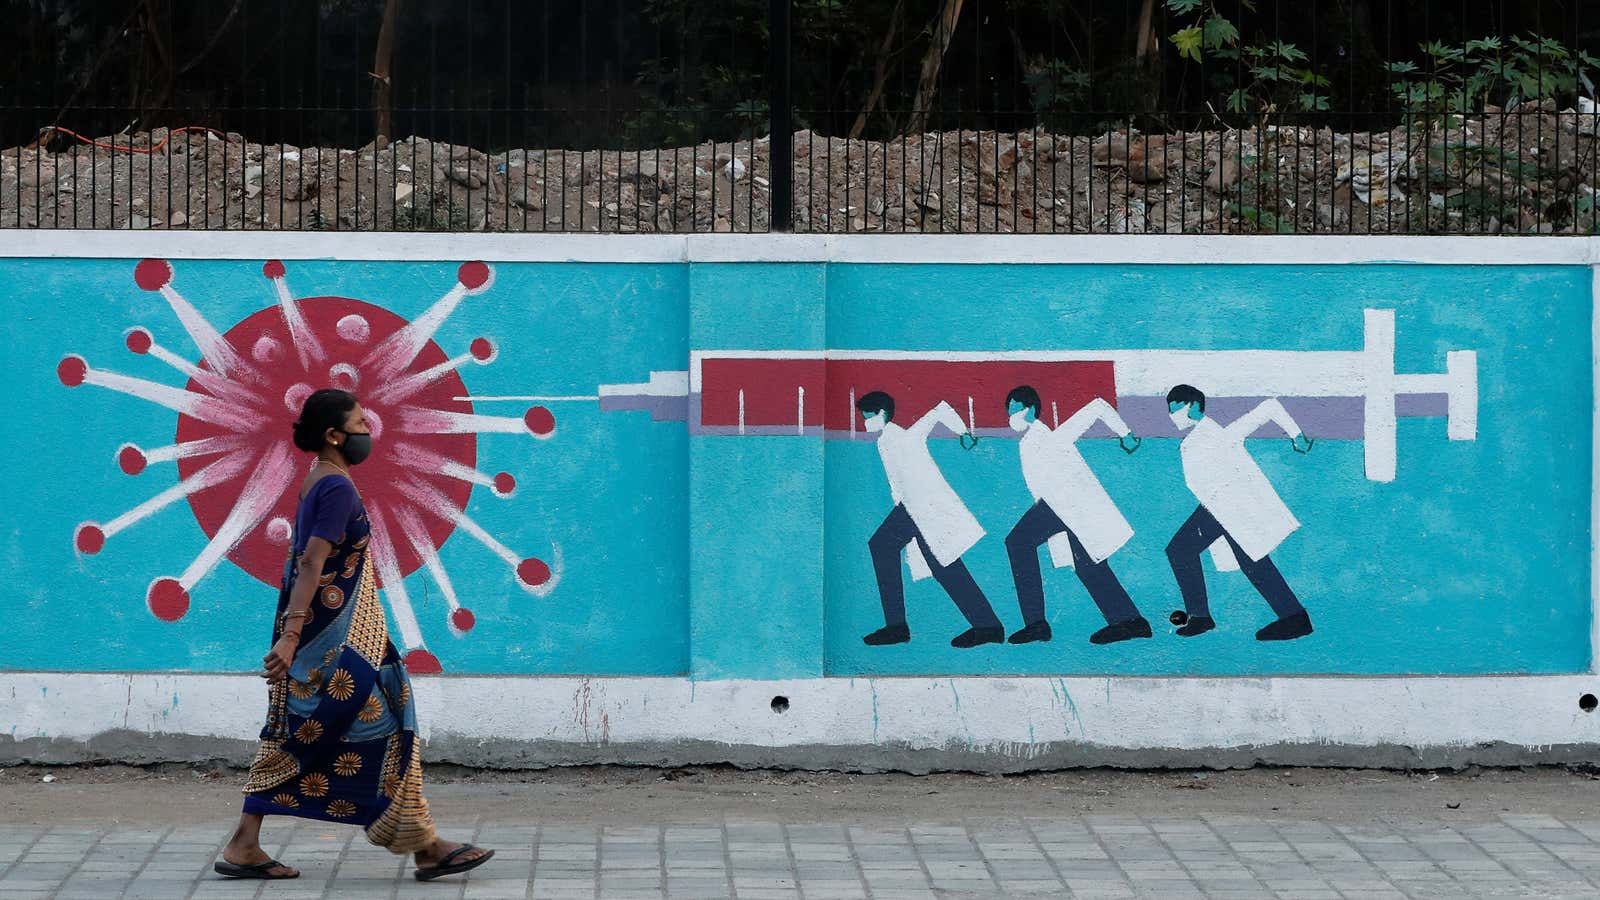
(621, 147)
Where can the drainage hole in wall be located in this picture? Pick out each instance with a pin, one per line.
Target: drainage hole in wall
(781, 704)
(1587, 703)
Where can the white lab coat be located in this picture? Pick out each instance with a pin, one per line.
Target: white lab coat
(1229, 484)
(1056, 473)
(915, 480)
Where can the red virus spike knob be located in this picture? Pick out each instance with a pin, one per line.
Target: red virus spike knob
(152, 274)
(533, 572)
(421, 662)
(72, 371)
(168, 600)
(131, 459)
(89, 538)
(540, 421)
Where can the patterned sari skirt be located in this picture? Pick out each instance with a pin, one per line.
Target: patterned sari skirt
(340, 739)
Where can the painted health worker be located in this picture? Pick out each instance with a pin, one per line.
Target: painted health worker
(1240, 517)
(340, 740)
(928, 523)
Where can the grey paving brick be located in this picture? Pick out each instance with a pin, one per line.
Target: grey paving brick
(1098, 856)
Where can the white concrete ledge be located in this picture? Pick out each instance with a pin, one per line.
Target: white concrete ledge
(912, 248)
(915, 724)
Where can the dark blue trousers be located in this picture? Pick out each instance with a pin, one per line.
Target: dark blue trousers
(892, 536)
(1039, 524)
(1201, 531)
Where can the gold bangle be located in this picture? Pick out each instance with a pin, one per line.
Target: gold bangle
(302, 614)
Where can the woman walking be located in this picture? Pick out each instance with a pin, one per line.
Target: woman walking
(340, 739)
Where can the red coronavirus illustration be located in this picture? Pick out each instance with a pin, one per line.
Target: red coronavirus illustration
(238, 468)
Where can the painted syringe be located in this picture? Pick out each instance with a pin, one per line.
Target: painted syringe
(1338, 394)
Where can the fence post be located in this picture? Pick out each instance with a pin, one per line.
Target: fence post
(781, 116)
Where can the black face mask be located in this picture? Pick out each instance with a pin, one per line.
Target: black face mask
(356, 447)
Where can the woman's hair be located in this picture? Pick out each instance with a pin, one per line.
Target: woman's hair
(324, 409)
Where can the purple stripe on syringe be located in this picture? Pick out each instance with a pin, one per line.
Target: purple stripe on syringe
(1335, 418)
(660, 408)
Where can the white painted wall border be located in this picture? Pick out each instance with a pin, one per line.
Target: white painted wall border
(991, 723)
(913, 248)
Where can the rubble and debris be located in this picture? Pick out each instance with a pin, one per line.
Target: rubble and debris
(1533, 170)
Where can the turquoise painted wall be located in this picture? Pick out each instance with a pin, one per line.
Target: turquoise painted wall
(679, 552)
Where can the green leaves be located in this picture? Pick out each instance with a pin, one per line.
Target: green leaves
(1188, 41)
(1219, 33)
(1275, 68)
(1491, 70)
(1314, 102)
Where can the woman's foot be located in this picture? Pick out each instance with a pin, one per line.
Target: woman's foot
(443, 857)
(251, 855)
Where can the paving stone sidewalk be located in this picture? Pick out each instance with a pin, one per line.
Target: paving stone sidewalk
(1099, 856)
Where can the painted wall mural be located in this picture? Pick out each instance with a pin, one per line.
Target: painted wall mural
(788, 470)
(236, 464)
(1340, 394)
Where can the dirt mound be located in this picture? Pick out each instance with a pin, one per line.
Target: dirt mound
(1532, 171)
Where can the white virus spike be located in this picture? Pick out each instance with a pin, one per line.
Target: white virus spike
(410, 456)
(168, 597)
(536, 421)
(305, 340)
(533, 575)
(142, 342)
(156, 275)
(133, 459)
(354, 328)
(459, 618)
(482, 351)
(396, 353)
(90, 537)
(279, 531)
(74, 370)
(394, 588)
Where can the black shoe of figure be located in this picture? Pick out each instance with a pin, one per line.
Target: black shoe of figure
(1038, 631)
(1122, 631)
(974, 637)
(888, 634)
(1287, 628)
(1196, 625)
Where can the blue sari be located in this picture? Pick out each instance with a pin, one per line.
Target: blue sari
(340, 740)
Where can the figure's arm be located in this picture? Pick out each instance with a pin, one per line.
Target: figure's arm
(278, 660)
(944, 414)
(1096, 410)
(1270, 411)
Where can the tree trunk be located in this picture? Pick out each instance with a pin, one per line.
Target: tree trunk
(158, 77)
(1147, 49)
(944, 29)
(880, 77)
(382, 84)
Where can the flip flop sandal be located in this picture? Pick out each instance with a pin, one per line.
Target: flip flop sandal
(445, 867)
(259, 870)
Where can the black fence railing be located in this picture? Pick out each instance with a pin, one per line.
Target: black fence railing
(1530, 171)
(656, 116)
